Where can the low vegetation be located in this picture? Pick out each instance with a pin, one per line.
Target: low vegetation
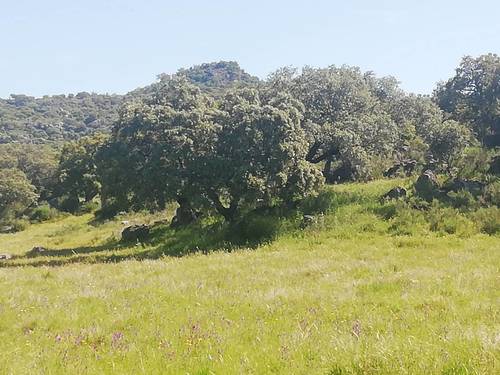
(363, 288)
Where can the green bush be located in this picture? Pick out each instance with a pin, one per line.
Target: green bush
(318, 204)
(70, 204)
(18, 225)
(254, 229)
(448, 220)
(88, 207)
(463, 200)
(488, 220)
(492, 193)
(473, 164)
(407, 222)
(43, 213)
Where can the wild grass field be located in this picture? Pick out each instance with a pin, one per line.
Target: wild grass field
(362, 291)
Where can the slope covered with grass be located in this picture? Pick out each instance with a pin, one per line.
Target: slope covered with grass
(362, 291)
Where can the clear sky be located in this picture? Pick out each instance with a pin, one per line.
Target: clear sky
(63, 46)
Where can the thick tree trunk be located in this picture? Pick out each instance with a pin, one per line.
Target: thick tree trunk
(184, 215)
(327, 170)
(229, 213)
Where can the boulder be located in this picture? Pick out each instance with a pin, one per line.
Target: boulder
(409, 166)
(427, 185)
(135, 233)
(5, 256)
(184, 215)
(473, 187)
(7, 229)
(392, 171)
(307, 221)
(37, 250)
(395, 193)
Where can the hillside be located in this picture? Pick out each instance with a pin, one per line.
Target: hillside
(58, 118)
(348, 295)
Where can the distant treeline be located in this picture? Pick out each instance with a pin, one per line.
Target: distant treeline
(59, 118)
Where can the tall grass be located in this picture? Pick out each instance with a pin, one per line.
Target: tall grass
(372, 288)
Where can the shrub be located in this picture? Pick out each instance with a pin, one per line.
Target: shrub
(492, 193)
(18, 225)
(254, 229)
(449, 221)
(463, 200)
(88, 207)
(407, 221)
(318, 204)
(473, 164)
(43, 213)
(488, 220)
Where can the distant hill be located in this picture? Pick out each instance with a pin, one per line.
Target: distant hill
(220, 74)
(58, 118)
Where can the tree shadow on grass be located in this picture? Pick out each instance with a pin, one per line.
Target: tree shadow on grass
(163, 242)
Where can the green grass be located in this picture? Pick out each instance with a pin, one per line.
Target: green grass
(349, 295)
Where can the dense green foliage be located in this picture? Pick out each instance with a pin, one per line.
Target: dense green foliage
(219, 75)
(56, 118)
(187, 147)
(77, 172)
(472, 96)
(220, 142)
(16, 192)
(59, 118)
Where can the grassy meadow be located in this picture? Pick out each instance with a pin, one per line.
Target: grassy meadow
(364, 290)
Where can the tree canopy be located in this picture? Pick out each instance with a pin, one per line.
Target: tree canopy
(217, 140)
(472, 97)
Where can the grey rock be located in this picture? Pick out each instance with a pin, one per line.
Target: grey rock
(135, 233)
(427, 185)
(395, 193)
(7, 229)
(37, 250)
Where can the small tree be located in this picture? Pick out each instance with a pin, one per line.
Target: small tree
(77, 172)
(472, 97)
(346, 117)
(260, 154)
(16, 193)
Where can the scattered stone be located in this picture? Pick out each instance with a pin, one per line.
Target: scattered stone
(135, 233)
(7, 229)
(184, 215)
(395, 193)
(160, 222)
(473, 187)
(427, 185)
(307, 221)
(391, 172)
(5, 256)
(407, 166)
(37, 250)
(125, 222)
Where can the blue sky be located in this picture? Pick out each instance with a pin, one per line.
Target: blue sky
(63, 46)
